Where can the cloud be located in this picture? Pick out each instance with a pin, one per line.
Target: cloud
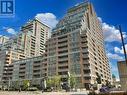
(100, 19)
(120, 50)
(117, 50)
(115, 56)
(111, 34)
(10, 30)
(109, 47)
(48, 19)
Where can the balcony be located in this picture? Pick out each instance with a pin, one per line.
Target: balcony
(63, 52)
(62, 40)
(36, 62)
(85, 55)
(86, 67)
(62, 64)
(62, 44)
(84, 50)
(87, 81)
(85, 62)
(36, 75)
(22, 77)
(62, 59)
(5, 76)
(36, 65)
(63, 70)
(10, 67)
(84, 40)
(23, 64)
(36, 68)
(63, 49)
(64, 73)
(22, 69)
(87, 74)
(36, 71)
(84, 45)
(62, 37)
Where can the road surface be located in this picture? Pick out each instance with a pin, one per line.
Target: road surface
(39, 93)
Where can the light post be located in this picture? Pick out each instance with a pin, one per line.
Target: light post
(9, 83)
(45, 84)
(28, 84)
(69, 79)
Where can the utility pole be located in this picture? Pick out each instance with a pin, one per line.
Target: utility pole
(122, 39)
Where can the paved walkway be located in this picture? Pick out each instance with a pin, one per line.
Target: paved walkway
(39, 93)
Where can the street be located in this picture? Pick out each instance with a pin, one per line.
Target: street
(39, 93)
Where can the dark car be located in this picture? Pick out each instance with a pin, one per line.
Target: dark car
(104, 90)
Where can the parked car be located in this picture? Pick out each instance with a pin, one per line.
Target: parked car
(104, 89)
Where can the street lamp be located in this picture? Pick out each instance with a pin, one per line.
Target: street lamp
(69, 75)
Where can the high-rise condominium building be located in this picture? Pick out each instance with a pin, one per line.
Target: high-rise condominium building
(3, 39)
(122, 67)
(33, 37)
(30, 42)
(77, 46)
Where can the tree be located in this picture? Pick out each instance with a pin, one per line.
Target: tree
(72, 81)
(56, 82)
(26, 84)
(50, 82)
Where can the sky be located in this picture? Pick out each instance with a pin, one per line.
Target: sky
(110, 13)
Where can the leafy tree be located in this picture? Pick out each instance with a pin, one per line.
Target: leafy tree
(72, 81)
(56, 82)
(26, 84)
(50, 82)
